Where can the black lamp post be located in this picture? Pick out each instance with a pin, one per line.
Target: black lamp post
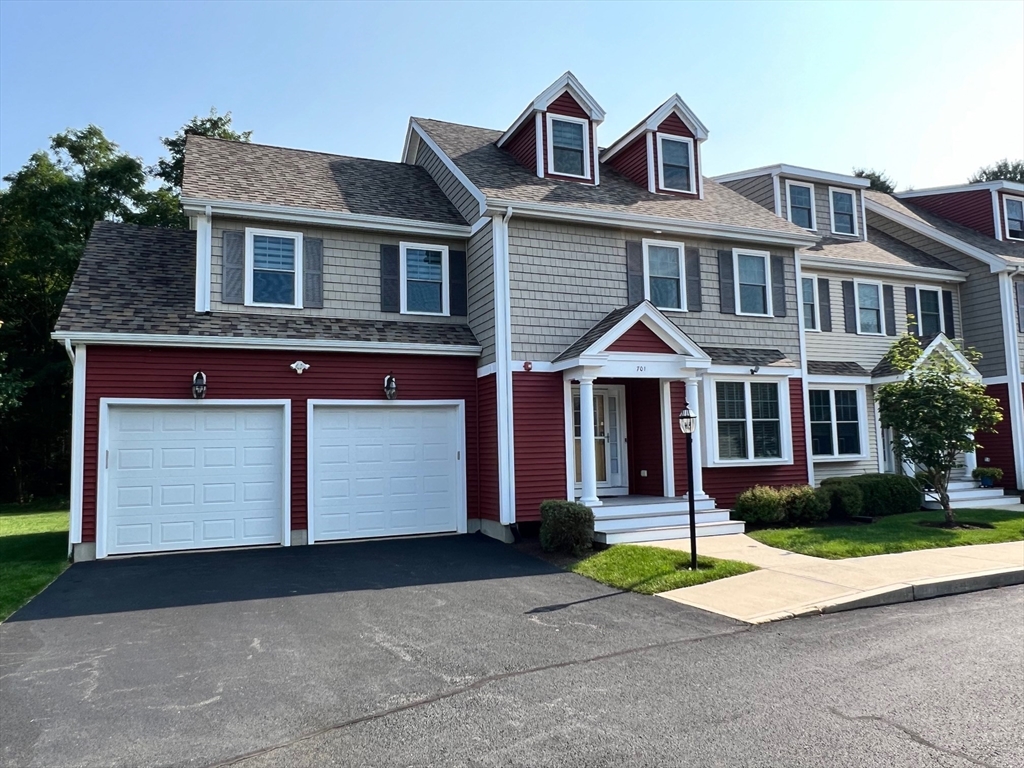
(687, 425)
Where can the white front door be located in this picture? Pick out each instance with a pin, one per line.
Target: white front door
(609, 439)
(385, 470)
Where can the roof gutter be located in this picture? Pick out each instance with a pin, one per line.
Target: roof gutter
(647, 223)
(891, 270)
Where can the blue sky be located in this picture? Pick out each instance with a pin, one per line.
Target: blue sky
(926, 91)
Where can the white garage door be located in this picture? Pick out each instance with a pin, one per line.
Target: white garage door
(385, 470)
(192, 477)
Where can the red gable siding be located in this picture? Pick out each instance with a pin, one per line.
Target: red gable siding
(567, 105)
(539, 428)
(643, 436)
(972, 209)
(997, 447)
(523, 145)
(640, 338)
(487, 431)
(142, 372)
(673, 125)
(631, 162)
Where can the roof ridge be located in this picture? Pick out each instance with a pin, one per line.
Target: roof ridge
(298, 149)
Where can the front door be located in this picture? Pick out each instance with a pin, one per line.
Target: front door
(609, 439)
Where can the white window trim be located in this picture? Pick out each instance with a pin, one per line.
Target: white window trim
(814, 205)
(250, 232)
(1006, 216)
(403, 280)
(881, 307)
(682, 272)
(551, 145)
(862, 424)
(817, 302)
(766, 255)
(662, 137)
(711, 458)
(942, 313)
(832, 212)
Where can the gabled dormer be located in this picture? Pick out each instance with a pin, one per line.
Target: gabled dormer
(556, 135)
(662, 152)
(993, 208)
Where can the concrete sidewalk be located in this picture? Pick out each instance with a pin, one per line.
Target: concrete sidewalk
(790, 584)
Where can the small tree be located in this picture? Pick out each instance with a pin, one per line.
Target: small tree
(1004, 170)
(934, 411)
(880, 181)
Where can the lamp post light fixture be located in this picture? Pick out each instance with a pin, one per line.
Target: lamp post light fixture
(688, 425)
(198, 385)
(390, 387)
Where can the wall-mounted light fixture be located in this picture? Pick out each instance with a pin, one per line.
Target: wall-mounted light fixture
(198, 385)
(298, 366)
(527, 366)
(755, 369)
(390, 387)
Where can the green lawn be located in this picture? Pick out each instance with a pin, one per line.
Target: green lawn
(898, 533)
(33, 550)
(650, 570)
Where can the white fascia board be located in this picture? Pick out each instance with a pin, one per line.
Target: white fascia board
(647, 223)
(1013, 186)
(797, 172)
(744, 370)
(884, 270)
(819, 378)
(658, 116)
(296, 215)
(665, 330)
(995, 263)
(241, 342)
(450, 165)
(566, 82)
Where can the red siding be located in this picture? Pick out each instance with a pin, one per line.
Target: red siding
(725, 484)
(487, 395)
(523, 145)
(538, 422)
(237, 374)
(673, 125)
(997, 447)
(972, 209)
(631, 162)
(643, 436)
(567, 105)
(640, 338)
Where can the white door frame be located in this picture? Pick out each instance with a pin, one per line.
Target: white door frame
(104, 445)
(608, 490)
(462, 513)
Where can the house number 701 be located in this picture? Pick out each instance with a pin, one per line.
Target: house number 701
(641, 368)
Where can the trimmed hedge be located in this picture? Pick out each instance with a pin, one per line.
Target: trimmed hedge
(566, 526)
(845, 499)
(881, 495)
(793, 505)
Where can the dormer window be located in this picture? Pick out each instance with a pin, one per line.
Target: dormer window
(569, 147)
(800, 202)
(675, 163)
(1013, 209)
(844, 218)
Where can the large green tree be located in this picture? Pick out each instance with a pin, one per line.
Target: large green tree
(934, 410)
(1004, 170)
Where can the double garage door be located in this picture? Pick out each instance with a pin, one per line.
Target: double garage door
(215, 474)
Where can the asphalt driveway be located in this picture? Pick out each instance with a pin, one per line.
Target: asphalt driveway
(202, 658)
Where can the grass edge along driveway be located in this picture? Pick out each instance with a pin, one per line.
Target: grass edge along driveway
(896, 533)
(650, 570)
(33, 550)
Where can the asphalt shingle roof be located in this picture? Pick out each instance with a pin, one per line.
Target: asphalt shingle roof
(880, 248)
(217, 169)
(597, 330)
(835, 368)
(748, 356)
(136, 279)
(1003, 248)
(497, 174)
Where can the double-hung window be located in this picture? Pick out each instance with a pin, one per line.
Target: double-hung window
(809, 299)
(424, 279)
(675, 163)
(748, 420)
(929, 310)
(753, 293)
(273, 263)
(800, 203)
(1013, 211)
(663, 270)
(869, 308)
(835, 423)
(569, 146)
(842, 204)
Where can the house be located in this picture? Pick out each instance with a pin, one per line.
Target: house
(342, 348)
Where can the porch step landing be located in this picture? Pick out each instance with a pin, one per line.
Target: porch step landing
(624, 521)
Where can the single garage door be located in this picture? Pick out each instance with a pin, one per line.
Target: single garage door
(192, 476)
(385, 470)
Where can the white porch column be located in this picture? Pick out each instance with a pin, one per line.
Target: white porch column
(970, 462)
(698, 470)
(587, 456)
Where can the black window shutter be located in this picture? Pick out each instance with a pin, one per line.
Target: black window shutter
(726, 283)
(313, 272)
(849, 308)
(778, 286)
(889, 303)
(694, 298)
(824, 304)
(947, 314)
(912, 325)
(232, 289)
(390, 290)
(457, 283)
(1019, 292)
(634, 271)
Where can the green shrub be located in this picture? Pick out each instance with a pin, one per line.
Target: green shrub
(760, 505)
(845, 499)
(888, 494)
(805, 505)
(566, 526)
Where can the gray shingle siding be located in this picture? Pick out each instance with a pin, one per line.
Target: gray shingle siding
(480, 269)
(982, 325)
(821, 207)
(565, 278)
(454, 189)
(760, 189)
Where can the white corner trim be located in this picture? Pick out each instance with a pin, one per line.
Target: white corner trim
(570, 442)
(650, 162)
(804, 374)
(450, 165)
(503, 371)
(667, 434)
(863, 217)
(790, 183)
(1013, 372)
(997, 224)
(539, 138)
(204, 260)
(777, 194)
(77, 445)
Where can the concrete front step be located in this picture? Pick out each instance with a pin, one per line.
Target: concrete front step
(645, 534)
(974, 493)
(996, 501)
(655, 520)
